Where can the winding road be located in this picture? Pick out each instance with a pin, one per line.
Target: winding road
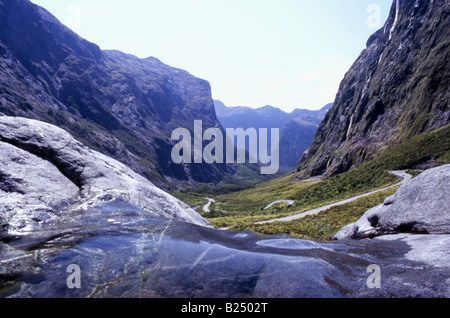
(400, 173)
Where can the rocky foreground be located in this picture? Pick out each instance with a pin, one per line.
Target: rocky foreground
(62, 204)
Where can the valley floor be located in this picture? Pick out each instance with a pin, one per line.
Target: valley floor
(263, 208)
(317, 208)
(402, 174)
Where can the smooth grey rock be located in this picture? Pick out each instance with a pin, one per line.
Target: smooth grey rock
(431, 249)
(421, 205)
(44, 168)
(139, 256)
(30, 190)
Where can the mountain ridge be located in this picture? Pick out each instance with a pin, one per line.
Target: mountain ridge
(397, 88)
(114, 102)
(297, 128)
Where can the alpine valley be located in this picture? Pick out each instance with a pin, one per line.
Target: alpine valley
(92, 206)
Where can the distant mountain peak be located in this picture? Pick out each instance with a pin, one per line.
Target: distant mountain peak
(297, 128)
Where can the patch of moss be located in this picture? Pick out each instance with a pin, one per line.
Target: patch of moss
(10, 289)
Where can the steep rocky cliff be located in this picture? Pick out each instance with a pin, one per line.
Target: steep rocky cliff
(118, 104)
(396, 89)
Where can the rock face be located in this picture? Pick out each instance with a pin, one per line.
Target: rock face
(138, 256)
(115, 103)
(396, 89)
(419, 206)
(45, 172)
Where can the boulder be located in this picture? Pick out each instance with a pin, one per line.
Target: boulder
(421, 205)
(44, 172)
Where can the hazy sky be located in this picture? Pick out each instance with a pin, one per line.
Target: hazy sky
(285, 53)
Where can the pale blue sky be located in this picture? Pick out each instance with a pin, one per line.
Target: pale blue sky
(285, 53)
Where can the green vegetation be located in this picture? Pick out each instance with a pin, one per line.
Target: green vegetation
(427, 149)
(414, 173)
(239, 207)
(250, 200)
(192, 198)
(323, 225)
(9, 289)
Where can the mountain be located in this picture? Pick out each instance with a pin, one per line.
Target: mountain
(297, 128)
(296, 136)
(115, 103)
(397, 88)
